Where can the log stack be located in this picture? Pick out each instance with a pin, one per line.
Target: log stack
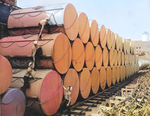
(75, 52)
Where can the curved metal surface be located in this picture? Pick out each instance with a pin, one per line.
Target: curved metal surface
(102, 78)
(78, 54)
(102, 34)
(98, 56)
(95, 80)
(85, 83)
(89, 55)
(5, 74)
(51, 93)
(105, 57)
(72, 79)
(109, 76)
(60, 15)
(94, 32)
(13, 103)
(84, 29)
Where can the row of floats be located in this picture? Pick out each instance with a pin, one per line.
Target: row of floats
(75, 52)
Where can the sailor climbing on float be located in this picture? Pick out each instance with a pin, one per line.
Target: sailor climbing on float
(65, 105)
(27, 76)
(43, 23)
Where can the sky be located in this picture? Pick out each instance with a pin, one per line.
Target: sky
(128, 18)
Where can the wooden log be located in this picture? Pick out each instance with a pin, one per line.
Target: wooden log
(13, 103)
(111, 57)
(5, 74)
(109, 76)
(114, 72)
(108, 39)
(105, 57)
(117, 42)
(78, 54)
(84, 29)
(102, 79)
(113, 40)
(95, 80)
(85, 83)
(98, 57)
(56, 46)
(72, 79)
(94, 33)
(65, 20)
(102, 33)
(89, 55)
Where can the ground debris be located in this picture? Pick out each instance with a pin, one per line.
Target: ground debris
(135, 104)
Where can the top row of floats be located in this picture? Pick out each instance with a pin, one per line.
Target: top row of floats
(75, 52)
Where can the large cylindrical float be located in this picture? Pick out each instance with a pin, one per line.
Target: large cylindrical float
(55, 46)
(118, 58)
(78, 54)
(105, 57)
(124, 45)
(114, 75)
(95, 80)
(115, 57)
(108, 39)
(117, 74)
(13, 103)
(102, 35)
(113, 40)
(5, 74)
(128, 46)
(102, 78)
(84, 29)
(117, 42)
(121, 73)
(98, 56)
(120, 43)
(109, 76)
(72, 79)
(111, 57)
(122, 58)
(47, 87)
(85, 83)
(94, 32)
(89, 55)
(63, 18)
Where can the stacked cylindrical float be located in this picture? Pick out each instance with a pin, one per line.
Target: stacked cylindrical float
(74, 52)
(12, 100)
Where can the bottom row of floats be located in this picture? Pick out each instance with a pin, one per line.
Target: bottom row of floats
(46, 88)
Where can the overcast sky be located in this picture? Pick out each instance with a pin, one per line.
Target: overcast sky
(128, 18)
